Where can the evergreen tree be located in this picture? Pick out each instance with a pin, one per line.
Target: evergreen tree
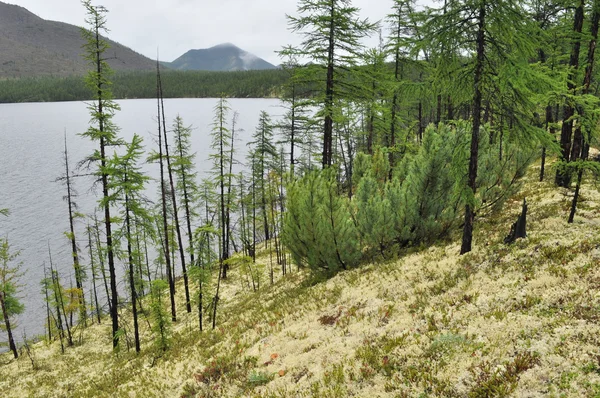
(221, 141)
(183, 165)
(563, 177)
(588, 114)
(332, 39)
(77, 267)
(318, 227)
(164, 197)
(262, 157)
(493, 34)
(160, 316)
(173, 196)
(126, 183)
(103, 131)
(10, 305)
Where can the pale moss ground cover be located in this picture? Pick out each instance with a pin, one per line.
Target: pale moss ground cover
(519, 321)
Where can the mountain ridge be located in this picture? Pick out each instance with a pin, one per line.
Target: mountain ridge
(222, 57)
(33, 46)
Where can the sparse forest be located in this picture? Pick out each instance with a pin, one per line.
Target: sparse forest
(401, 166)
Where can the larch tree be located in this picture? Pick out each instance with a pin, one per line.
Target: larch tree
(183, 166)
(563, 176)
(102, 130)
(221, 139)
(332, 34)
(489, 34)
(9, 302)
(165, 241)
(263, 156)
(72, 206)
(582, 136)
(173, 194)
(127, 183)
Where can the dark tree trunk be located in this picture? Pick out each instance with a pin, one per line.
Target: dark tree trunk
(114, 298)
(420, 127)
(134, 297)
(438, 116)
(163, 193)
(186, 287)
(186, 205)
(563, 177)
(228, 234)
(450, 109)
(467, 238)
(579, 138)
(328, 128)
(92, 265)
(48, 315)
(75, 253)
(11, 340)
(101, 260)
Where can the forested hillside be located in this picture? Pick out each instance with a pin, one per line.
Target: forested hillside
(178, 84)
(421, 222)
(32, 46)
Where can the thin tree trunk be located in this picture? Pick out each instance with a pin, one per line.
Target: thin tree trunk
(114, 314)
(563, 177)
(467, 238)
(101, 259)
(579, 138)
(48, 320)
(186, 205)
(74, 251)
(163, 193)
(93, 266)
(328, 128)
(11, 340)
(134, 298)
(188, 305)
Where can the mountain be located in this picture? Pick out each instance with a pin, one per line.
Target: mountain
(223, 57)
(32, 46)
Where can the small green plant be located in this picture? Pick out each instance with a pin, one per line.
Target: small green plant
(259, 378)
(161, 325)
(501, 381)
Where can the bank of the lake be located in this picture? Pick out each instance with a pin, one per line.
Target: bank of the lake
(32, 145)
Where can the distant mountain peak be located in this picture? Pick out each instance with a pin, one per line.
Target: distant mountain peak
(222, 57)
(225, 45)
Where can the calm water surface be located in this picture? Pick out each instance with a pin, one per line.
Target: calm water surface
(31, 150)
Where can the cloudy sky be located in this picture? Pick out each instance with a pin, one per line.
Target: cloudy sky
(176, 26)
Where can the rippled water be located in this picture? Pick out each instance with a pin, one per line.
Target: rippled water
(31, 150)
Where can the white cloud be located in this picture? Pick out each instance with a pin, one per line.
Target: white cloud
(176, 26)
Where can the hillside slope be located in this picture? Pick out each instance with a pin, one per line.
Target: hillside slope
(32, 46)
(223, 57)
(520, 320)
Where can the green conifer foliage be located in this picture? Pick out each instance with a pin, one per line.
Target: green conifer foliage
(161, 327)
(9, 302)
(318, 228)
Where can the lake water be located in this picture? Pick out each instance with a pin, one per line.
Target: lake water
(31, 159)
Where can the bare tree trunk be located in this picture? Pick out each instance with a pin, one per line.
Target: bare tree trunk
(11, 340)
(467, 238)
(92, 265)
(163, 192)
(563, 178)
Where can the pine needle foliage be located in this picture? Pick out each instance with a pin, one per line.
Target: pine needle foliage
(420, 204)
(318, 226)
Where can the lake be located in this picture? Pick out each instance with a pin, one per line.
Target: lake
(31, 159)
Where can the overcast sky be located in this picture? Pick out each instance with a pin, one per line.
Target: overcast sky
(176, 26)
